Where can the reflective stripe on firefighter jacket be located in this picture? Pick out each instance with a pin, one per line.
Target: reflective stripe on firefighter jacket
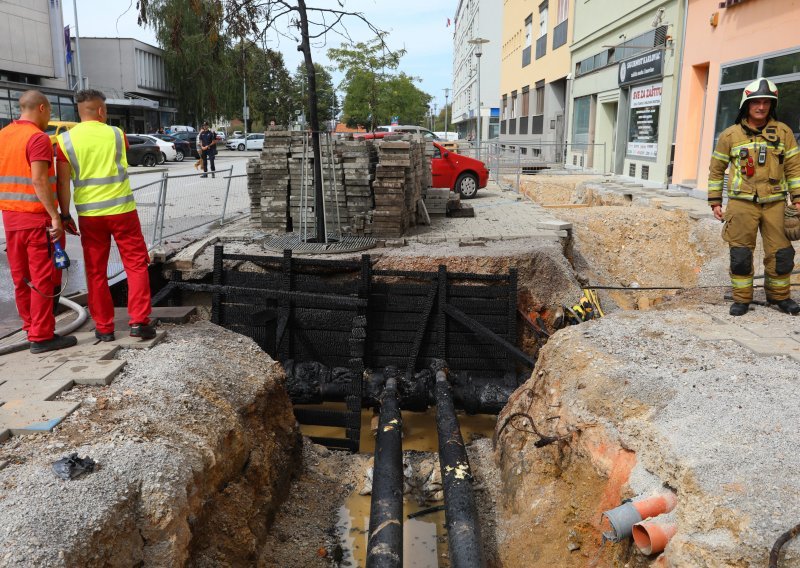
(778, 175)
(96, 152)
(16, 186)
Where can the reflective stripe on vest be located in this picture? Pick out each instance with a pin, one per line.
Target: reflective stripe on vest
(122, 175)
(90, 149)
(17, 190)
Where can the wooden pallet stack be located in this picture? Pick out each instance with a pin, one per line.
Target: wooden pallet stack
(275, 180)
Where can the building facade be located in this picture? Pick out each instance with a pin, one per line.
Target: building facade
(474, 19)
(33, 56)
(719, 61)
(533, 76)
(132, 75)
(625, 64)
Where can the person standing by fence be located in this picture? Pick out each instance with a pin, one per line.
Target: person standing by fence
(28, 199)
(208, 145)
(92, 154)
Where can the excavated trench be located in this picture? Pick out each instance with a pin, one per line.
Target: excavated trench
(559, 426)
(353, 335)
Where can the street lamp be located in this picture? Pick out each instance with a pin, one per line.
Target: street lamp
(446, 95)
(478, 43)
(435, 114)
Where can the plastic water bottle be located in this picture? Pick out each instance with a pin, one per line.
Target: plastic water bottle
(60, 258)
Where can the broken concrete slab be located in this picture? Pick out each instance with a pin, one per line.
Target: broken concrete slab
(86, 372)
(553, 225)
(26, 416)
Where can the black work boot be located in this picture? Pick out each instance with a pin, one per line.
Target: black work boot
(53, 344)
(104, 336)
(738, 309)
(787, 306)
(143, 330)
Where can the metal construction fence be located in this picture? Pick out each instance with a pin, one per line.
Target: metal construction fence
(508, 161)
(175, 205)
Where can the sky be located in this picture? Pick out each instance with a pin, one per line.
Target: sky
(419, 26)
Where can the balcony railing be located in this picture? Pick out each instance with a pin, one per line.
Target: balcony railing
(541, 46)
(560, 34)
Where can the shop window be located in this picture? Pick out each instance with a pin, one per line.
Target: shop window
(789, 105)
(727, 109)
(632, 170)
(645, 171)
(739, 73)
(782, 65)
(580, 120)
(643, 123)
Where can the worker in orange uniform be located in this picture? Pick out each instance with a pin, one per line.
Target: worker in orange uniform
(32, 222)
(764, 168)
(92, 154)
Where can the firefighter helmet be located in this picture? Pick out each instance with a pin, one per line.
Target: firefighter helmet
(760, 89)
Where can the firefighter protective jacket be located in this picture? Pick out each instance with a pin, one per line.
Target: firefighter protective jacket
(16, 186)
(96, 152)
(771, 180)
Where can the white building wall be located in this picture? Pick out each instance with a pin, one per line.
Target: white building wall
(476, 18)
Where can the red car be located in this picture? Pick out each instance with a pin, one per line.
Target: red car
(459, 173)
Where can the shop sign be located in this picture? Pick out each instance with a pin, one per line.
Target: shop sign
(649, 65)
(643, 130)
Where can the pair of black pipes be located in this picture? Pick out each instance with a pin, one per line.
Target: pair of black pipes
(385, 545)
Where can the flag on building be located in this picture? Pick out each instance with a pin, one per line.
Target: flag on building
(68, 44)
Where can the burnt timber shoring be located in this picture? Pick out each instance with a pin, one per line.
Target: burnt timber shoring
(328, 321)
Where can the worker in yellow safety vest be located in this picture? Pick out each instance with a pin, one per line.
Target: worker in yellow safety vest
(764, 164)
(93, 156)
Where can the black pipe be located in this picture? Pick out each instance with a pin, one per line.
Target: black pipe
(385, 545)
(463, 531)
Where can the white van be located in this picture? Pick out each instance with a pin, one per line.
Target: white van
(181, 128)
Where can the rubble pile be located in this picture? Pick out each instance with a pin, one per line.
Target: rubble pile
(370, 187)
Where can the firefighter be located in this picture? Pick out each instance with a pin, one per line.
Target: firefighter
(92, 155)
(764, 167)
(31, 219)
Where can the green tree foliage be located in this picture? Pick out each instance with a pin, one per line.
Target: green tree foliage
(201, 66)
(268, 84)
(373, 94)
(327, 102)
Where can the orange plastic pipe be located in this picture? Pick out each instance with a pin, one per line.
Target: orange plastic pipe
(655, 506)
(652, 537)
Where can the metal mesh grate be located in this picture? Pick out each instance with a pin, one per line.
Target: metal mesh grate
(335, 245)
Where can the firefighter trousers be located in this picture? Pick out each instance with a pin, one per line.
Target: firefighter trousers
(743, 221)
(96, 233)
(30, 258)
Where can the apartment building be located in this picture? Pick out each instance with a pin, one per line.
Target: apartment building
(132, 75)
(534, 70)
(728, 45)
(476, 19)
(33, 56)
(625, 63)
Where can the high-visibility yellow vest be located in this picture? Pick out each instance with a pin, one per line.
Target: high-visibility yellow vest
(96, 152)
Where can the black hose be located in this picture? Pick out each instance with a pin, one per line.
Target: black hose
(776, 548)
(385, 545)
(461, 514)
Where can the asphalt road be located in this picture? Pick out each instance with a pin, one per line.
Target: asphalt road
(191, 201)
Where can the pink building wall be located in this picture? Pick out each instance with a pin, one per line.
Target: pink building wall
(743, 31)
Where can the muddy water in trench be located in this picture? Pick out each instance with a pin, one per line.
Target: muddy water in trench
(424, 538)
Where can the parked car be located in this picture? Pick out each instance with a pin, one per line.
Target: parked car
(233, 141)
(191, 138)
(182, 147)
(459, 173)
(168, 150)
(409, 129)
(220, 136)
(253, 142)
(56, 127)
(142, 151)
(181, 128)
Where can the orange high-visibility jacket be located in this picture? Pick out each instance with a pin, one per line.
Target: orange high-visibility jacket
(16, 186)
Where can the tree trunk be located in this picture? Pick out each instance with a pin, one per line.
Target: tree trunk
(319, 197)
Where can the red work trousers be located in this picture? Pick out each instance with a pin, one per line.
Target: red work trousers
(30, 257)
(96, 233)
